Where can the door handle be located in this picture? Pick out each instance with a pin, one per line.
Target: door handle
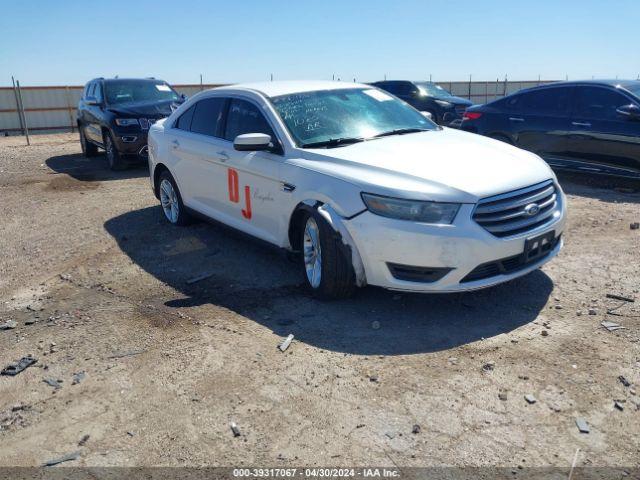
(222, 156)
(516, 119)
(581, 124)
(175, 143)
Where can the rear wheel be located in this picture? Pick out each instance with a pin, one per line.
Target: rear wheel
(113, 156)
(88, 148)
(171, 200)
(326, 263)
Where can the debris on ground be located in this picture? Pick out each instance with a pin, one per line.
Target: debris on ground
(8, 325)
(634, 226)
(617, 404)
(530, 399)
(19, 366)
(131, 434)
(65, 458)
(234, 429)
(31, 321)
(416, 429)
(127, 354)
(373, 378)
(487, 367)
(285, 344)
(620, 297)
(83, 440)
(52, 382)
(544, 333)
(78, 377)
(199, 278)
(582, 425)
(612, 326)
(593, 311)
(502, 396)
(624, 381)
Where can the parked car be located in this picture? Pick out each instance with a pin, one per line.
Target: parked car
(445, 108)
(362, 185)
(591, 126)
(115, 114)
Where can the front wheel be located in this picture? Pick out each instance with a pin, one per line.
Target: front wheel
(88, 148)
(326, 260)
(113, 156)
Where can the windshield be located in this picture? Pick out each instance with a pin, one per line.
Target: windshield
(130, 91)
(432, 90)
(330, 115)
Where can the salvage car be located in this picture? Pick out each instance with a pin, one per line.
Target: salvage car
(590, 126)
(362, 186)
(444, 107)
(115, 114)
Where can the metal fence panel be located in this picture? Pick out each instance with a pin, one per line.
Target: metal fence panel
(53, 108)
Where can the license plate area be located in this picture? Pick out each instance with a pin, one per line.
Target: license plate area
(538, 247)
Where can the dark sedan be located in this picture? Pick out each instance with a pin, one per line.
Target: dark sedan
(444, 107)
(589, 126)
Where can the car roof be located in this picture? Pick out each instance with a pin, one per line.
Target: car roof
(277, 88)
(571, 83)
(132, 79)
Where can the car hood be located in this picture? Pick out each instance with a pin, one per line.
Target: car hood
(456, 100)
(440, 165)
(149, 109)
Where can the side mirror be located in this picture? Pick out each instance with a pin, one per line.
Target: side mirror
(93, 101)
(630, 111)
(183, 97)
(252, 142)
(428, 115)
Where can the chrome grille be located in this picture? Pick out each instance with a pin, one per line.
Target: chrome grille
(519, 211)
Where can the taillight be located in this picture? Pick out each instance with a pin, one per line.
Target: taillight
(471, 115)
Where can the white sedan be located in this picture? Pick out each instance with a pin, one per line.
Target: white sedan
(364, 187)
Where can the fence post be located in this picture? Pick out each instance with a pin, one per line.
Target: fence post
(15, 93)
(70, 108)
(24, 118)
(469, 86)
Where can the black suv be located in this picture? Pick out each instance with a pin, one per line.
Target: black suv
(115, 114)
(592, 126)
(428, 97)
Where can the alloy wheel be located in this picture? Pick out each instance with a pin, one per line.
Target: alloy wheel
(312, 253)
(169, 201)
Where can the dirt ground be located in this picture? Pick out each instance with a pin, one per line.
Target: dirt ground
(97, 283)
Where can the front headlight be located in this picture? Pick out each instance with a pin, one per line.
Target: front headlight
(444, 103)
(125, 122)
(414, 210)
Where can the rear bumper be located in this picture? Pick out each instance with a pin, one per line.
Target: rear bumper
(457, 250)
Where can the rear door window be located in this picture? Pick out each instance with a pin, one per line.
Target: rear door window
(184, 122)
(207, 116)
(547, 102)
(244, 117)
(598, 103)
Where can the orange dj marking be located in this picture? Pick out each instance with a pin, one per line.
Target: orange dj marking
(234, 192)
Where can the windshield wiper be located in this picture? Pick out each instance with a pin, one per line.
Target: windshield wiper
(333, 142)
(401, 131)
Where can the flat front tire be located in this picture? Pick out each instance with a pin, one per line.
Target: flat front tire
(171, 200)
(326, 260)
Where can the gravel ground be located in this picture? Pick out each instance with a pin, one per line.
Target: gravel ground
(97, 284)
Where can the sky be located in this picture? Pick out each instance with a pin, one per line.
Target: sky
(67, 42)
